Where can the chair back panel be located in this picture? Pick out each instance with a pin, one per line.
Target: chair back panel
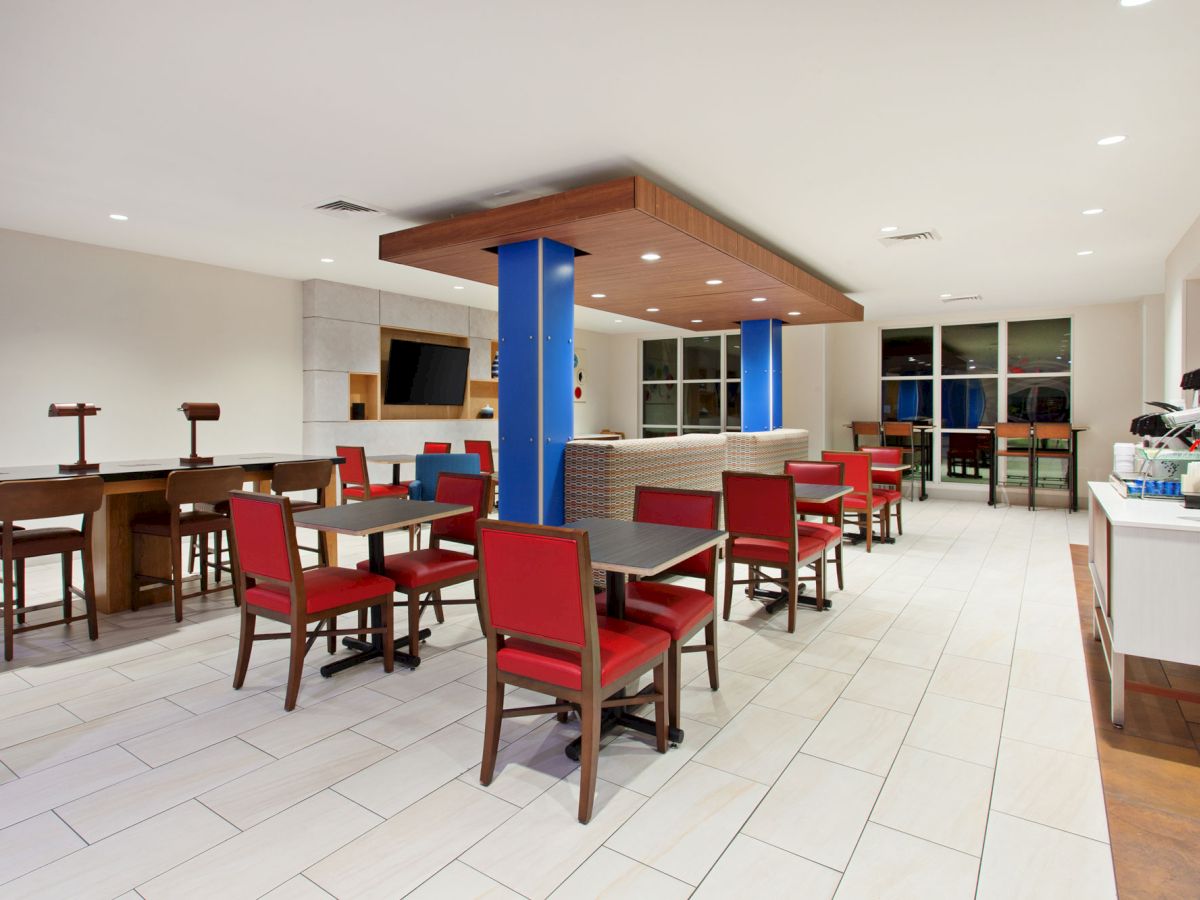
(49, 498)
(354, 470)
(263, 535)
(898, 429)
(203, 485)
(887, 456)
(469, 490)
(806, 471)
(1052, 431)
(436, 447)
(1016, 431)
(856, 468)
(533, 580)
(301, 476)
(482, 449)
(760, 505)
(691, 509)
(865, 429)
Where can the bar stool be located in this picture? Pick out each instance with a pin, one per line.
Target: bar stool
(187, 487)
(1016, 431)
(860, 430)
(48, 499)
(313, 475)
(903, 435)
(1058, 432)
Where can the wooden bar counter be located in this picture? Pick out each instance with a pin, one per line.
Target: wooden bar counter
(140, 486)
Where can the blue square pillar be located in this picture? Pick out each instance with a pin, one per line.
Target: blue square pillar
(762, 375)
(537, 346)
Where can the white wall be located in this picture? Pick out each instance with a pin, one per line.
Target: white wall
(804, 390)
(596, 412)
(1181, 312)
(137, 335)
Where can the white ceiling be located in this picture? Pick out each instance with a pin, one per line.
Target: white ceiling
(215, 127)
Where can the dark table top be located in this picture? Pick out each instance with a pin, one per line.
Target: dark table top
(374, 516)
(141, 469)
(642, 548)
(821, 493)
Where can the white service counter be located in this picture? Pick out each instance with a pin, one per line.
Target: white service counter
(1144, 557)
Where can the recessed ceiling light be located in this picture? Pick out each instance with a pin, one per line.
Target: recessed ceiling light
(1094, 211)
(459, 287)
(618, 321)
(697, 321)
(888, 229)
(651, 257)
(1134, 2)
(651, 309)
(599, 296)
(794, 312)
(1085, 252)
(117, 217)
(758, 299)
(945, 296)
(326, 259)
(714, 281)
(1110, 140)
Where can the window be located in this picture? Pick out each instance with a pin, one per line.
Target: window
(691, 385)
(1034, 349)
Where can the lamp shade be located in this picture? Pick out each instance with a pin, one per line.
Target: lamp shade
(72, 409)
(201, 412)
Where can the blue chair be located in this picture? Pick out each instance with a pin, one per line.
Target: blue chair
(431, 465)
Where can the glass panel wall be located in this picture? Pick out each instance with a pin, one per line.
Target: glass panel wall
(907, 352)
(691, 385)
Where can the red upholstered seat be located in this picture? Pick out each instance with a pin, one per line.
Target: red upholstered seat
(776, 551)
(889, 495)
(854, 501)
(421, 567)
(672, 608)
(830, 535)
(323, 589)
(355, 492)
(623, 646)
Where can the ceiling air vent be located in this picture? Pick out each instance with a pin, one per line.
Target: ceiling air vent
(348, 209)
(913, 237)
(963, 297)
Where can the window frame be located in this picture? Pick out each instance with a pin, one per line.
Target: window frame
(679, 381)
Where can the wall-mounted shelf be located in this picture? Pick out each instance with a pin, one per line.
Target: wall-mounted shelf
(364, 389)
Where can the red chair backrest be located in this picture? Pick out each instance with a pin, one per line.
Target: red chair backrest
(885, 456)
(760, 505)
(857, 468)
(805, 471)
(354, 470)
(263, 535)
(691, 509)
(436, 447)
(468, 490)
(482, 449)
(535, 581)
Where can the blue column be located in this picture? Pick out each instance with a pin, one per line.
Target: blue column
(762, 375)
(537, 345)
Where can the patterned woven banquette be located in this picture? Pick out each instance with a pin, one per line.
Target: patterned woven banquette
(764, 451)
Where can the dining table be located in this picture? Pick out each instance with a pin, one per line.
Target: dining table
(643, 549)
(395, 460)
(373, 519)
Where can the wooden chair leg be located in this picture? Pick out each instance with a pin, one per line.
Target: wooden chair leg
(491, 731)
(362, 625)
(177, 577)
(661, 706)
(793, 589)
(192, 554)
(674, 673)
(204, 561)
(837, 556)
(437, 607)
(414, 624)
(728, 587)
(710, 638)
(869, 518)
(245, 643)
(899, 523)
(218, 541)
(820, 584)
(389, 634)
(8, 610)
(68, 564)
(589, 753)
(20, 590)
(89, 592)
(295, 669)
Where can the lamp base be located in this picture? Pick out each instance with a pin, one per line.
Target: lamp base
(79, 467)
(195, 460)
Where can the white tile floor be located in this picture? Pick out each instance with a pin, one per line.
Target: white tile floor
(928, 737)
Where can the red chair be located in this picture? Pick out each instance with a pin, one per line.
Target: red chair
(678, 610)
(437, 447)
(482, 449)
(425, 573)
(831, 515)
(264, 548)
(760, 518)
(864, 503)
(888, 485)
(543, 634)
(356, 480)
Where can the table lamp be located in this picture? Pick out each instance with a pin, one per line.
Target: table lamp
(198, 412)
(78, 410)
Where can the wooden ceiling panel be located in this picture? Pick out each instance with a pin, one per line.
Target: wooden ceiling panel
(614, 224)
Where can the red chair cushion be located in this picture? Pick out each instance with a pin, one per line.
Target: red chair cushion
(808, 508)
(894, 478)
(853, 501)
(420, 567)
(673, 608)
(888, 494)
(324, 589)
(377, 490)
(624, 646)
(776, 551)
(829, 535)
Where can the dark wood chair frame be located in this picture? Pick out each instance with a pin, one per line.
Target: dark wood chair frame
(865, 519)
(789, 578)
(590, 699)
(310, 475)
(414, 531)
(861, 429)
(298, 618)
(1016, 431)
(839, 519)
(1052, 431)
(189, 486)
(48, 499)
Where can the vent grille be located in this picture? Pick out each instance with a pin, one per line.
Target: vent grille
(963, 297)
(913, 237)
(342, 208)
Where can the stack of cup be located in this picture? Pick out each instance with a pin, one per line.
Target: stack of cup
(1123, 459)
(1191, 479)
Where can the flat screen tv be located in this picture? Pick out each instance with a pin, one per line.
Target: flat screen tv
(426, 374)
